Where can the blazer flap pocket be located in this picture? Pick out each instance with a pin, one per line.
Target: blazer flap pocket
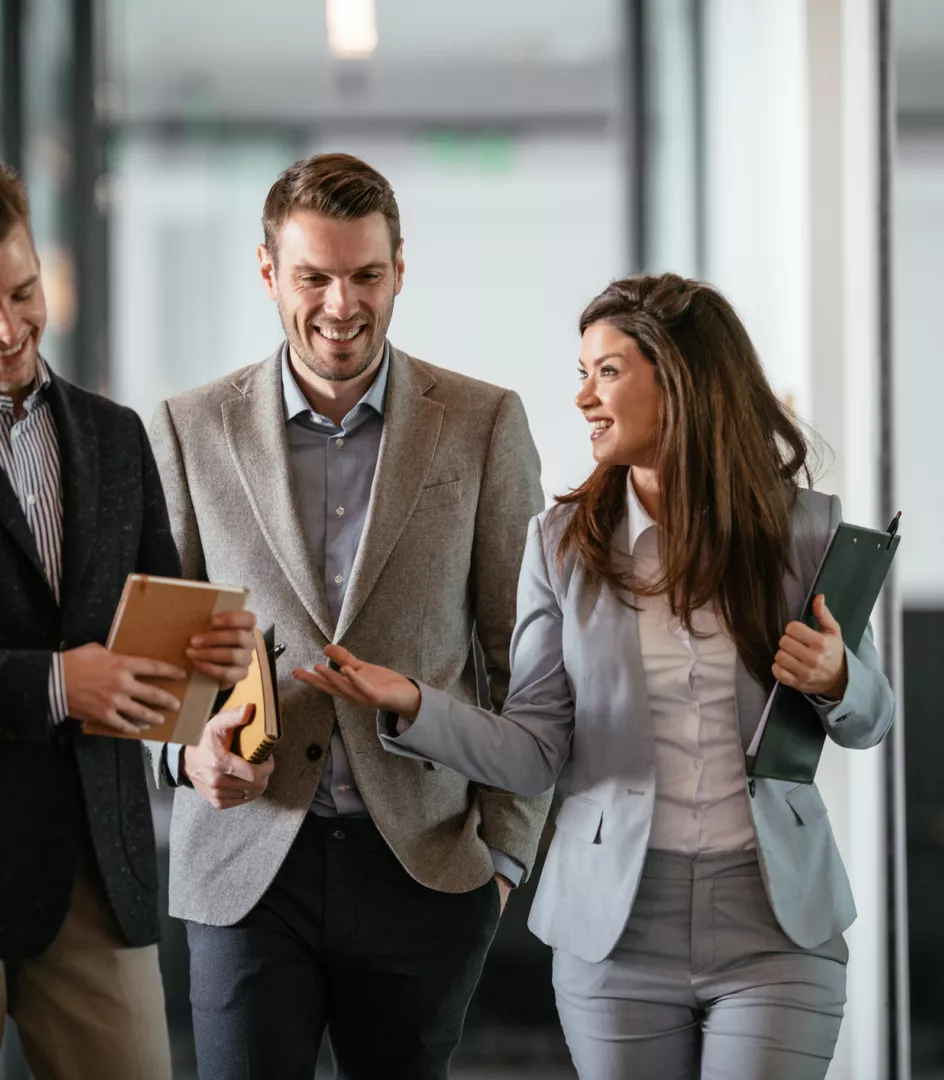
(580, 817)
(807, 803)
(439, 495)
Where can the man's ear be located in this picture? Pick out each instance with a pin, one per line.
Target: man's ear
(399, 267)
(268, 271)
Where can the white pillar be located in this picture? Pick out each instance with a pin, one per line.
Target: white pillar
(792, 172)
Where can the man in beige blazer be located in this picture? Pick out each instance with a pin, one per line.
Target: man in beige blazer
(368, 498)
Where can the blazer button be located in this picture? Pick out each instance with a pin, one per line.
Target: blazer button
(313, 752)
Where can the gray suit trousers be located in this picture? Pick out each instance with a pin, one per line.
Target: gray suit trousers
(703, 984)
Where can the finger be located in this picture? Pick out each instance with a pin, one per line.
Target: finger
(223, 639)
(360, 683)
(783, 676)
(138, 713)
(239, 620)
(226, 786)
(225, 676)
(824, 616)
(119, 724)
(153, 669)
(224, 722)
(330, 682)
(148, 694)
(341, 686)
(342, 657)
(229, 655)
(789, 663)
(806, 635)
(799, 651)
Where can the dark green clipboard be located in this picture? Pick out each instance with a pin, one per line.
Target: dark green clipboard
(789, 738)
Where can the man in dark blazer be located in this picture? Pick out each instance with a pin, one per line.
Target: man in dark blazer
(81, 507)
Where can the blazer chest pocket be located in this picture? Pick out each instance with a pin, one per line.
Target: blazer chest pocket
(581, 818)
(434, 495)
(807, 803)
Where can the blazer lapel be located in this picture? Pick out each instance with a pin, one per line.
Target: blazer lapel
(78, 456)
(14, 521)
(254, 423)
(411, 429)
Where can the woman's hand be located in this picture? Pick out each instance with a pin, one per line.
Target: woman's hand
(368, 685)
(813, 661)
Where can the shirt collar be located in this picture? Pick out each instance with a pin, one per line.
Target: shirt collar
(295, 402)
(638, 518)
(39, 385)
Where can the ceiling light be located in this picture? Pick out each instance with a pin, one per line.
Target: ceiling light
(352, 28)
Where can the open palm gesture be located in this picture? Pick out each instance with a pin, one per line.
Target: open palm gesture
(368, 685)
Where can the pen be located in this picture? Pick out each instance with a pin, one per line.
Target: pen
(278, 650)
(893, 525)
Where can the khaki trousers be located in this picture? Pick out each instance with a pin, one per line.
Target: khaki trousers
(89, 1006)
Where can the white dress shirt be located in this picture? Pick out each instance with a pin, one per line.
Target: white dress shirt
(701, 803)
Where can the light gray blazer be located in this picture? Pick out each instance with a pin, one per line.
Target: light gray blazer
(457, 480)
(577, 674)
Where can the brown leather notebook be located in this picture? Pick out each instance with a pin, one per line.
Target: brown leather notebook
(256, 740)
(156, 618)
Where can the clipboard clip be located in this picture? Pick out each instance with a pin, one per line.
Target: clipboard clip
(892, 529)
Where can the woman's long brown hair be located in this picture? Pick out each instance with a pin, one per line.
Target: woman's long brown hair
(729, 458)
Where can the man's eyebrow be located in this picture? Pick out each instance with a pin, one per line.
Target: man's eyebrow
(310, 268)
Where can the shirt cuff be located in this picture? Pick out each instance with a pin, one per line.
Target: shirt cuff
(58, 707)
(174, 772)
(507, 866)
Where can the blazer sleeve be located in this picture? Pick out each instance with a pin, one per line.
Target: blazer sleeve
(180, 525)
(865, 713)
(524, 748)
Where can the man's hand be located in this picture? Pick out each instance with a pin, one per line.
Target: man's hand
(504, 889)
(106, 688)
(369, 685)
(223, 778)
(813, 661)
(224, 651)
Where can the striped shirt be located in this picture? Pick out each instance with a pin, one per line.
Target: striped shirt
(29, 455)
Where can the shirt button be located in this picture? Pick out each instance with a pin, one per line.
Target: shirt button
(313, 752)
(340, 511)
(339, 580)
(344, 787)
(339, 443)
(339, 834)
(31, 499)
(696, 764)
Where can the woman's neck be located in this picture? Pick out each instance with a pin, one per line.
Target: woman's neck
(646, 484)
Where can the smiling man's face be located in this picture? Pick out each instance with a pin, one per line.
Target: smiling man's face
(335, 283)
(22, 313)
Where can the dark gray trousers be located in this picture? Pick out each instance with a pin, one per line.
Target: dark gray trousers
(346, 940)
(703, 985)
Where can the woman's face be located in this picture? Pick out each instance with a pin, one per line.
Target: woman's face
(619, 397)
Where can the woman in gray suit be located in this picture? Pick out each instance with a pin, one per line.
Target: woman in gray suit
(696, 917)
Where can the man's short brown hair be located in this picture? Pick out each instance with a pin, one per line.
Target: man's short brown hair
(14, 204)
(338, 186)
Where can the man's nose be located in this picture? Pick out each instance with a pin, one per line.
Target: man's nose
(339, 301)
(9, 326)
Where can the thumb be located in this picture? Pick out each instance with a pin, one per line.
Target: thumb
(824, 616)
(232, 718)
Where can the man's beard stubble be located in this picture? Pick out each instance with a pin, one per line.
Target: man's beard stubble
(375, 331)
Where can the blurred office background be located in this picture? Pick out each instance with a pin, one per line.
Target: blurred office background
(790, 151)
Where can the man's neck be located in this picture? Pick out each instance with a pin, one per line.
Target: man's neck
(333, 398)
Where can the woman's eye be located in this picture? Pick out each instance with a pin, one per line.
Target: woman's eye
(607, 370)
(581, 374)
